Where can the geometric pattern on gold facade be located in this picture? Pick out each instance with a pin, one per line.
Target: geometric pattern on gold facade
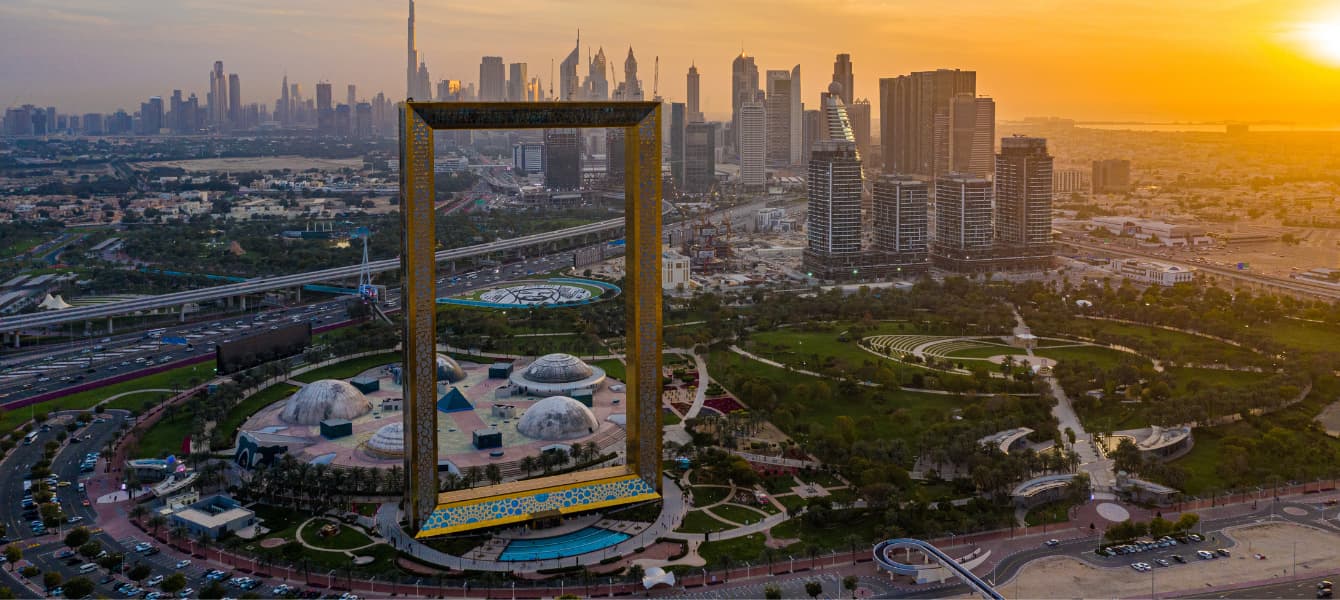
(642, 286)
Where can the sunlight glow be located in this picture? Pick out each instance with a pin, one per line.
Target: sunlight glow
(1321, 38)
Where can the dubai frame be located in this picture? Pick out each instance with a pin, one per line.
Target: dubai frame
(432, 514)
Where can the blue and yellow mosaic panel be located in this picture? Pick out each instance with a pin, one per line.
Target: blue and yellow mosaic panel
(514, 508)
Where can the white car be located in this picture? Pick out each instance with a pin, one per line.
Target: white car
(155, 580)
(182, 564)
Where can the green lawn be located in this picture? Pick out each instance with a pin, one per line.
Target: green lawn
(175, 378)
(1211, 377)
(230, 423)
(1170, 345)
(736, 513)
(347, 538)
(613, 367)
(1202, 463)
(1303, 335)
(1103, 358)
(984, 352)
(797, 348)
(137, 401)
(697, 521)
(792, 503)
(705, 495)
(738, 550)
(165, 437)
(1055, 512)
(349, 368)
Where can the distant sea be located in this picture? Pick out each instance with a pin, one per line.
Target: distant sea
(1199, 128)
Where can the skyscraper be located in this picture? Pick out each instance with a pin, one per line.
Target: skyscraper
(568, 84)
(859, 111)
(411, 60)
(630, 89)
(694, 109)
(1111, 176)
(900, 206)
(965, 136)
(218, 96)
(1024, 193)
(562, 159)
(597, 84)
(325, 111)
(908, 108)
(963, 228)
(352, 95)
(283, 109)
(677, 122)
(516, 82)
(700, 166)
(779, 86)
(753, 144)
(833, 187)
(151, 116)
(614, 158)
(743, 88)
(363, 120)
(235, 101)
(492, 79)
(842, 74)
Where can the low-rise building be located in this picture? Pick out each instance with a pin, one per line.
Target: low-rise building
(675, 270)
(213, 516)
(1145, 271)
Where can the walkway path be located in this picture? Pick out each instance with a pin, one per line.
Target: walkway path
(132, 392)
(672, 514)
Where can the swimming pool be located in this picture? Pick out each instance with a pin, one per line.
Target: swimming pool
(569, 544)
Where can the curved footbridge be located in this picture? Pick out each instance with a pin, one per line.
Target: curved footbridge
(942, 568)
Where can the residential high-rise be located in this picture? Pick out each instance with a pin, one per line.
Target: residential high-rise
(1024, 193)
(382, 115)
(597, 86)
(963, 223)
(91, 123)
(834, 187)
(343, 120)
(983, 136)
(677, 122)
(218, 96)
(694, 109)
(743, 88)
(965, 136)
(151, 116)
(778, 103)
(492, 79)
(614, 158)
(363, 120)
(909, 106)
(325, 111)
(900, 206)
(563, 159)
(842, 74)
(449, 90)
(569, 87)
(1111, 176)
(753, 144)
(516, 82)
(235, 101)
(699, 157)
(352, 95)
(859, 111)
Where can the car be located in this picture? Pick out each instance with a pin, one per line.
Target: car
(182, 564)
(74, 519)
(65, 553)
(1195, 537)
(1178, 558)
(131, 592)
(142, 546)
(186, 593)
(153, 596)
(1205, 554)
(106, 579)
(155, 580)
(1161, 562)
(280, 590)
(1222, 552)
(1052, 543)
(1326, 593)
(152, 551)
(56, 591)
(1138, 566)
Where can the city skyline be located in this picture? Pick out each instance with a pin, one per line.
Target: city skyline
(1261, 61)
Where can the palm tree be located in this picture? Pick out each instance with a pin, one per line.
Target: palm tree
(138, 511)
(157, 522)
(528, 464)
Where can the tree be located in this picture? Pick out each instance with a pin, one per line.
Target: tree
(90, 549)
(772, 592)
(814, 588)
(493, 473)
(213, 591)
(174, 583)
(849, 583)
(78, 587)
(13, 554)
(111, 561)
(51, 579)
(1186, 522)
(139, 572)
(77, 537)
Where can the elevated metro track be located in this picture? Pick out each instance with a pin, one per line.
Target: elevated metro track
(884, 558)
(18, 323)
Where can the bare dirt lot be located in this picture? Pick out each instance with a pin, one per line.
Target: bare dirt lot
(261, 163)
(1066, 577)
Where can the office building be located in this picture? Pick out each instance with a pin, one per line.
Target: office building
(859, 113)
(1024, 194)
(901, 207)
(325, 111)
(909, 106)
(630, 89)
(963, 223)
(1111, 176)
(569, 86)
(235, 119)
(218, 96)
(842, 74)
(694, 109)
(597, 86)
(778, 106)
(614, 158)
(563, 159)
(517, 79)
(492, 79)
(343, 120)
(965, 136)
(753, 144)
(91, 124)
(363, 120)
(743, 88)
(151, 116)
(528, 158)
(676, 137)
(699, 157)
(449, 90)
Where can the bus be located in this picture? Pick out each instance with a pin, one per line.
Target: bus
(155, 333)
(30, 438)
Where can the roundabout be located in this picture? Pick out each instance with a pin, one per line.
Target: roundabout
(533, 293)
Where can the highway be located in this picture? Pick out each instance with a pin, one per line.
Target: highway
(17, 323)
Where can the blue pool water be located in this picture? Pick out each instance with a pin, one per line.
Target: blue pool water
(570, 544)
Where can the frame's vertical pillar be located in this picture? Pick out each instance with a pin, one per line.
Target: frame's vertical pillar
(642, 292)
(419, 299)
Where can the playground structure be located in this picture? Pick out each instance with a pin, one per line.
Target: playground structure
(941, 569)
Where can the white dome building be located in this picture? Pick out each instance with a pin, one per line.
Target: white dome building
(325, 399)
(557, 375)
(388, 442)
(557, 418)
(448, 370)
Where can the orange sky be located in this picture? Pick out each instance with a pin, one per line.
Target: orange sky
(1200, 60)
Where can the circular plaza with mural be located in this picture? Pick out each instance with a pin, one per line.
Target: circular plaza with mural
(537, 293)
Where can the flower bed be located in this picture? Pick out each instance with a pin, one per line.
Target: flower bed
(723, 404)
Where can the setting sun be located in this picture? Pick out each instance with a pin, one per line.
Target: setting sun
(1322, 38)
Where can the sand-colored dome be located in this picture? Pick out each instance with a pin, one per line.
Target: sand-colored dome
(325, 399)
(557, 418)
(558, 368)
(389, 441)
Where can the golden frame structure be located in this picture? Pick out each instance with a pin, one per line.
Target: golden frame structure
(641, 122)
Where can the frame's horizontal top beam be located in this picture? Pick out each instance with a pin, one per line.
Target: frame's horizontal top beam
(530, 115)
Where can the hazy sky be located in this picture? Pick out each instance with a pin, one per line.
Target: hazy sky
(1089, 59)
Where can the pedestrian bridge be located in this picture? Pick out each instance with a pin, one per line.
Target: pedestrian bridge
(884, 557)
